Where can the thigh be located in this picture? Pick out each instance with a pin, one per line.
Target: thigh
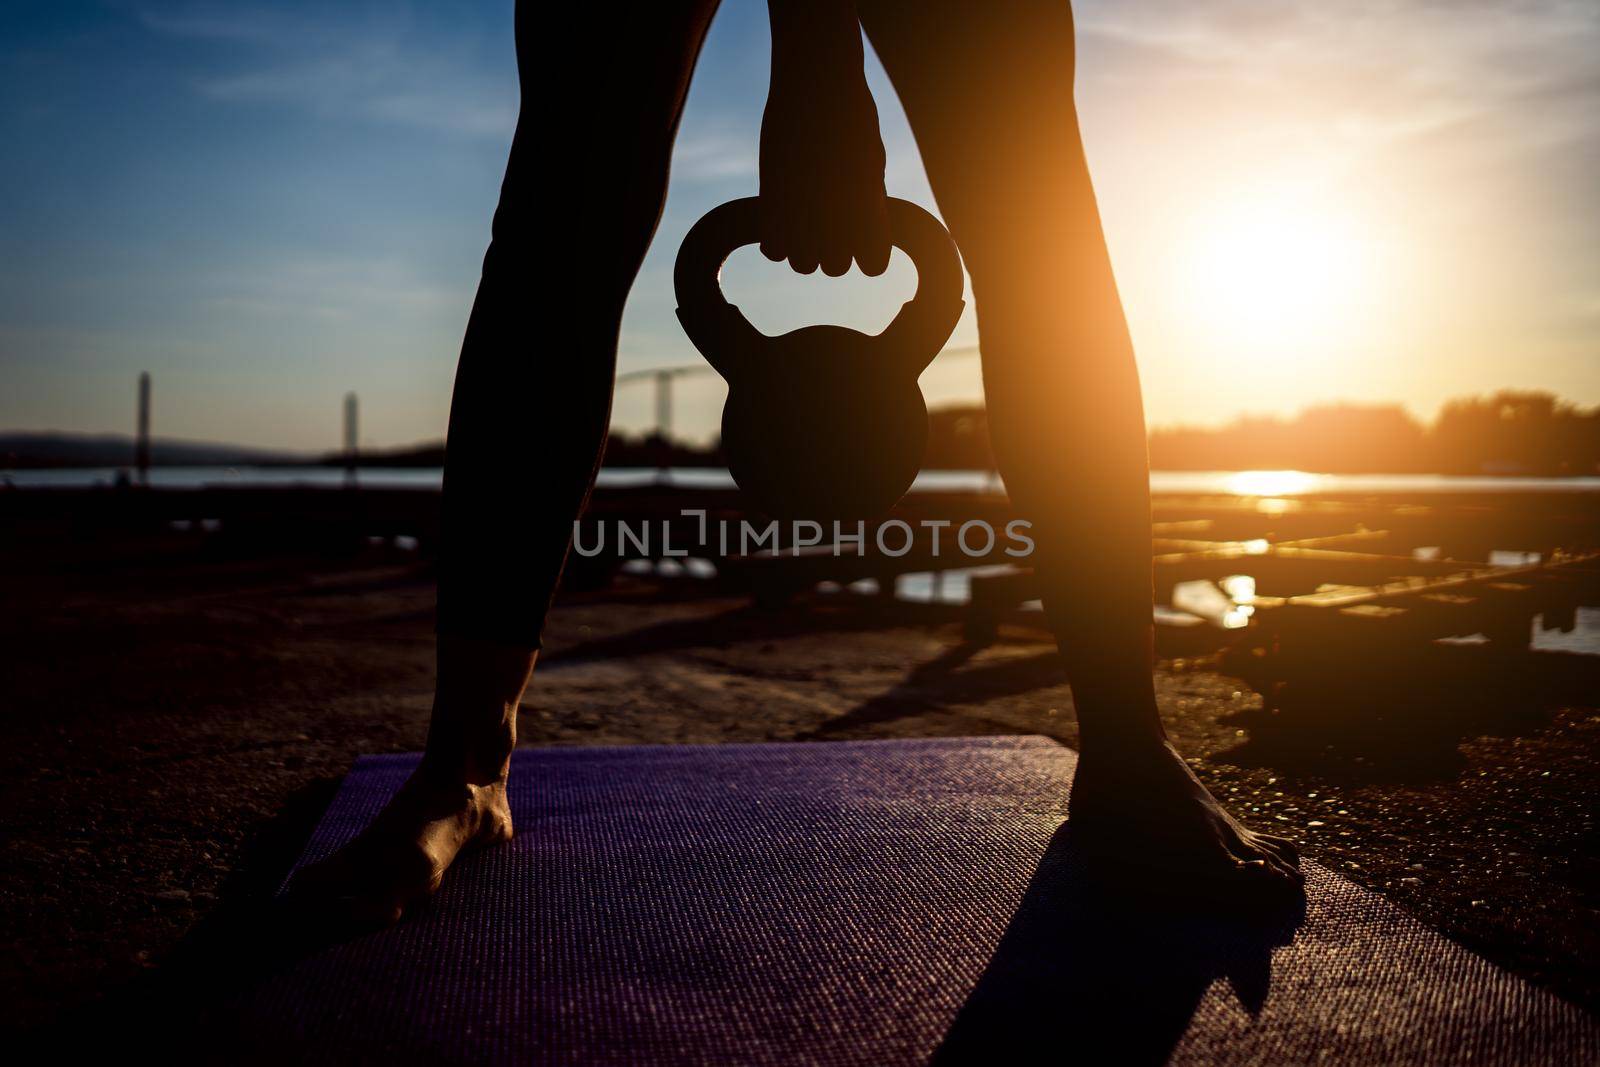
(987, 88)
(603, 89)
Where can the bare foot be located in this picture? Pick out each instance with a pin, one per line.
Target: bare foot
(1150, 827)
(400, 859)
(454, 802)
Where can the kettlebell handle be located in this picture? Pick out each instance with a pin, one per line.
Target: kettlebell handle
(722, 333)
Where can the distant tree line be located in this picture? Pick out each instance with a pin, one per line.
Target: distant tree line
(1509, 432)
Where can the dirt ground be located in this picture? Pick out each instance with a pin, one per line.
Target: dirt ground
(175, 720)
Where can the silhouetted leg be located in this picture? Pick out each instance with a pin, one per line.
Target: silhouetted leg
(582, 194)
(988, 90)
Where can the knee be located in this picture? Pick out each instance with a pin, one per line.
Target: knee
(562, 211)
(591, 244)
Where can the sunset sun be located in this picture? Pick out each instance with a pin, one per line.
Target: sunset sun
(1271, 277)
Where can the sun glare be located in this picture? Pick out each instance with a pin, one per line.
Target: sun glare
(1271, 483)
(1277, 277)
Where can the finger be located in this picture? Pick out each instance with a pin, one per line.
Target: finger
(769, 222)
(876, 242)
(806, 237)
(874, 260)
(832, 229)
(804, 250)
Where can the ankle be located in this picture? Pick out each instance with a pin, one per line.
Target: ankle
(477, 672)
(1131, 752)
(1118, 712)
(474, 725)
(469, 748)
(1119, 728)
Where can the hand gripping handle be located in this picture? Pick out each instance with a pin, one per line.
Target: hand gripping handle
(722, 333)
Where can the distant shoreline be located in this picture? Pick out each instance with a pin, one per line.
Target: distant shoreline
(1259, 483)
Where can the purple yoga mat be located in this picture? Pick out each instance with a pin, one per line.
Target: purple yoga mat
(879, 902)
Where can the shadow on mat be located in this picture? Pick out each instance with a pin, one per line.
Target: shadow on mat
(1113, 982)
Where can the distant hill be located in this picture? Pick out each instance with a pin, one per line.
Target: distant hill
(426, 454)
(1508, 432)
(622, 450)
(35, 450)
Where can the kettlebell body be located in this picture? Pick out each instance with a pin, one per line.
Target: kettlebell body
(820, 427)
(825, 422)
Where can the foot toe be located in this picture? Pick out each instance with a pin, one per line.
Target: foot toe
(1269, 874)
(1282, 845)
(1278, 853)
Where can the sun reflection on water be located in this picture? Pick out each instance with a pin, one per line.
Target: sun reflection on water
(1271, 483)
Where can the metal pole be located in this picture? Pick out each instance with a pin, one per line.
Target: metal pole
(663, 419)
(350, 436)
(141, 451)
(664, 404)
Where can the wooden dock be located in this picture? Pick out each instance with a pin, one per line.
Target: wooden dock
(1289, 582)
(1326, 600)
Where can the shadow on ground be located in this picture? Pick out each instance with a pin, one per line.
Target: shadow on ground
(1403, 722)
(744, 623)
(941, 683)
(180, 1009)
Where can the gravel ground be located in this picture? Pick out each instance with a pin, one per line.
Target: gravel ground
(175, 720)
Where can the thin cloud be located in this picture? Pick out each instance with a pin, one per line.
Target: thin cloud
(338, 287)
(205, 22)
(378, 67)
(714, 156)
(1399, 68)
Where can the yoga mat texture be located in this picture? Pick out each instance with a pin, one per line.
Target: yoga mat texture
(875, 903)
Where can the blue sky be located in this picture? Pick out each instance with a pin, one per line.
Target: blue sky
(269, 205)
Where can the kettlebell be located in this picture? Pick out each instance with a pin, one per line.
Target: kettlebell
(824, 422)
